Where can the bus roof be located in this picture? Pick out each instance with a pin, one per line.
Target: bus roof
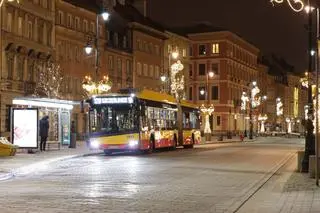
(153, 96)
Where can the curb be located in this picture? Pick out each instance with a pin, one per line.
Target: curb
(26, 169)
(222, 142)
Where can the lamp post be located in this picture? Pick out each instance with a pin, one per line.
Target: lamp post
(254, 102)
(95, 87)
(310, 137)
(207, 109)
(165, 78)
(279, 108)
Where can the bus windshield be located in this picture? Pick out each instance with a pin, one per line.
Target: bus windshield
(115, 118)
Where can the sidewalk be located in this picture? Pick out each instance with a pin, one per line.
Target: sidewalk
(24, 162)
(286, 192)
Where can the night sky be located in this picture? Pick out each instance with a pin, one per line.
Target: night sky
(276, 29)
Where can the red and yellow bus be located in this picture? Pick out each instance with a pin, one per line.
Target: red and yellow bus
(140, 121)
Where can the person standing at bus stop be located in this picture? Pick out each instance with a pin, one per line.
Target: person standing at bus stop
(44, 129)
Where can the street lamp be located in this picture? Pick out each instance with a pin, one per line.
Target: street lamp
(207, 109)
(94, 87)
(2, 1)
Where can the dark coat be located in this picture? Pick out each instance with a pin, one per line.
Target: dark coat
(44, 127)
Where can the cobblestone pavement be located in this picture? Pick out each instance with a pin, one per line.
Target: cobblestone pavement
(199, 180)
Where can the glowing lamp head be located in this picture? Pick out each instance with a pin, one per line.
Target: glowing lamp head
(163, 78)
(175, 54)
(202, 92)
(308, 8)
(211, 74)
(278, 99)
(254, 83)
(264, 97)
(105, 15)
(312, 52)
(88, 49)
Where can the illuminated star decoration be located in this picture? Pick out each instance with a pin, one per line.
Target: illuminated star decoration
(296, 5)
(2, 1)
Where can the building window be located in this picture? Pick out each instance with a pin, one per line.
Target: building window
(44, 4)
(20, 69)
(30, 30)
(146, 48)
(120, 69)
(202, 69)
(10, 63)
(85, 26)
(77, 53)
(9, 22)
(145, 69)
(218, 120)
(151, 71)
(110, 62)
(157, 72)
(20, 27)
(169, 48)
(92, 27)
(190, 51)
(124, 42)
(128, 73)
(184, 52)
(69, 21)
(139, 68)
(202, 49)
(78, 27)
(8, 118)
(215, 68)
(60, 18)
(214, 93)
(190, 70)
(202, 93)
(151, 48)
(190, 93)
(215, 48)
(157, 50)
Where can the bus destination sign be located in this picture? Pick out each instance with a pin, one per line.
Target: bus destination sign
(113, 100)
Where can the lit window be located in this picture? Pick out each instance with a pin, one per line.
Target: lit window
(9, 22)
(215, 48)
(151, 71)
(157, 72)
(139, 68)
(20, 26)
(184, 53)
(30, 29)
(145, 69)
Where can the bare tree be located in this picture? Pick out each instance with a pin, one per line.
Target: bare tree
(49, 81)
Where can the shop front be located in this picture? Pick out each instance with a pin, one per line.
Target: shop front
(58, 111)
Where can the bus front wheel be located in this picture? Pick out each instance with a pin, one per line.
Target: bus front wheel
(107, 152)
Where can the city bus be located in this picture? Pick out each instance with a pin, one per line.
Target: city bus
(141, 121)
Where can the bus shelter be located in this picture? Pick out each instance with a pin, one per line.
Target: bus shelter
(59, 112)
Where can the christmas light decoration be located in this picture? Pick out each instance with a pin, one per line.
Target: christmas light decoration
(289, 124)
(262, 119)
(93, 88)
(207, 111)
(295, 5)
(244, 101)
(49, 82)
(177, 80)
(255, 100)
(279, 107)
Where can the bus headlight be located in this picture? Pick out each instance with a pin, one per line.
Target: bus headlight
(133, 143)
(94, 144)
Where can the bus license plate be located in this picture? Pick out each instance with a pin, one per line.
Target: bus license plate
(113, 147)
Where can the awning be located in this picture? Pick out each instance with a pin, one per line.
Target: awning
(45, 102)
